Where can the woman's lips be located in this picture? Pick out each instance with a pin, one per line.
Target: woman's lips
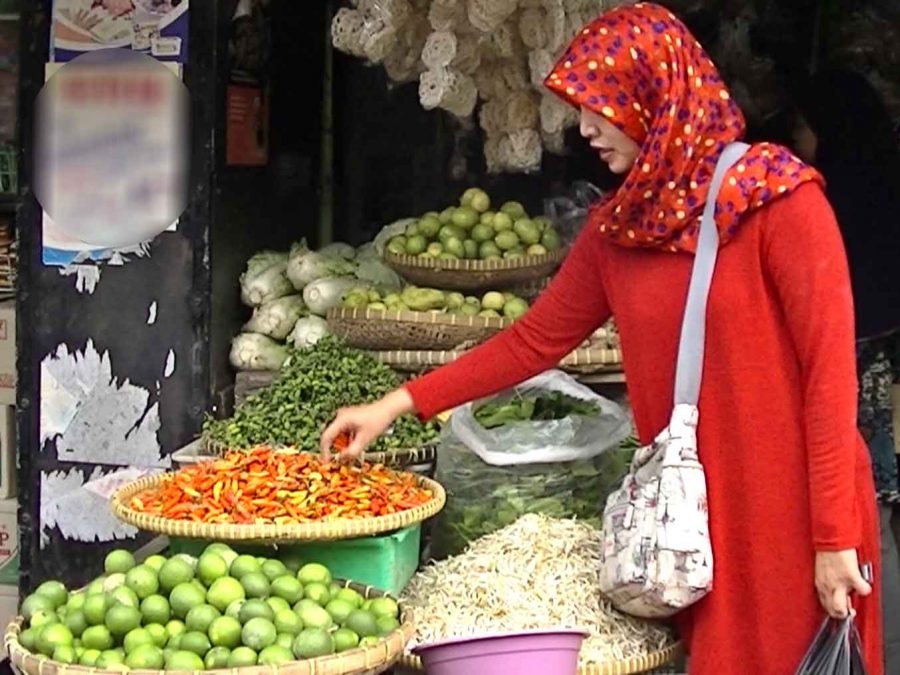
(606, 154)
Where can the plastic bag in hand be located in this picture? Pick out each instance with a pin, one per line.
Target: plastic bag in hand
(836, 650)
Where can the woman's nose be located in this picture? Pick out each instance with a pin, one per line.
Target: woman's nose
(587, 129)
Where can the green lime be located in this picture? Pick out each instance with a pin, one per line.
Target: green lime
(304, 604)
(335, 587)
(224, 551)
(217, 658)
(173, 573)
(351, 596)
(286, 621)
(159, 634)
(370, 641)
(155, 562)
(273, 569)
(52, 636)
(234, 609)
(186, 558)
(224, 591)
(416, 244)
(318, 593)
(385, 606)
(196, 642)
(242, 657)
(76, 601)
(313, 643)
(120, 619)
(89, 658)
(340, 610)
(55, 592)
(210, 567)
(244, 564)
(143, 581)
(76, 622)
(275, 655)
(156, 609)
(488, 250)
(174, 642)
(256, 585)
(285, 640)
(145, 657)
(95, 607)
(184, 597)
(96, 586)
(124, 596)
(256, 609)
(184, 660)
(387, 625)
(200, 618)
(113, 581)
(225, 631)
(43, 618)
(277, 604)
(506, 240)
(514, 210)
(118, 562)
(111, 657)
(175, 627)
(345, 639)
(550, 240)
(465, 217)
(502, 222)
(258, 634)
(137, 638)
(362, 623)
(288, 587)
(28, 639)
(315, 617)
(97, 637)
(527, 230)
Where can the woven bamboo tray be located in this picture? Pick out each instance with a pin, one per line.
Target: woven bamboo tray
(642, 664)
(474, 275)
(383, 330)
(361, 661)
(581, 361)
(396, 459)
(330, 530)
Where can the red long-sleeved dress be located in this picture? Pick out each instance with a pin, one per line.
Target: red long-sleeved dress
(788, 473)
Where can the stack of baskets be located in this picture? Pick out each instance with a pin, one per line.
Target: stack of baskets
(413, 342)
(369, 660)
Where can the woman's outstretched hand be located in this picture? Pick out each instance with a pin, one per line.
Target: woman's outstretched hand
(364, 424)
(837, 577)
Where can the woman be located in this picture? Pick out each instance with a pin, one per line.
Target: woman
(861, 165)
(791, 500)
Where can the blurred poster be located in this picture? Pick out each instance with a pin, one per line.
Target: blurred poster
(158, 28)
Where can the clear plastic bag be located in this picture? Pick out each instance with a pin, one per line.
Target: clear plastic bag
(561, 468)
(569, 212)
(836, 650)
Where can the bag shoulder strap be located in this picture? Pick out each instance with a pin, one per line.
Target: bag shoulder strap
(689, 367)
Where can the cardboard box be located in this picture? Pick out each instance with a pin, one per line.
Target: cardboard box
(7, 451)
(9, 603)
(9, 542)
(8, 352)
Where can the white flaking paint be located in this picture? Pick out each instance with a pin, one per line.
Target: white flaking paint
(113, 423)
(151, 314)
(86, 266)
(79, 513)
(170, 364)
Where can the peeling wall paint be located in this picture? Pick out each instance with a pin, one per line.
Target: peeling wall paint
(86, 267)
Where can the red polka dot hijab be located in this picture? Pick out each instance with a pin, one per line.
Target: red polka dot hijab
(641, 68)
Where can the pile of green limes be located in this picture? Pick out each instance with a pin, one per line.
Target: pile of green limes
(221, 610)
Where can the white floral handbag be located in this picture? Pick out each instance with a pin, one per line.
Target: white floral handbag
(657, 557)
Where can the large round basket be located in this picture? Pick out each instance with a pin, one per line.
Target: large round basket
(582, 361)
(642, 664)
(361, 661)
(396, 459)
(474, 275)
(325, 530)
(384, 330)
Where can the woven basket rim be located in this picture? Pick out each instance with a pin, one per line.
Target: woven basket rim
(632, 666)
(387, 652)
(440, 356)
(427, 318)
(329, 530)
(404, 456)
(465, 265)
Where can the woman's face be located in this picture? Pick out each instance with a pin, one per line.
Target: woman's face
(614, 146)
(805, 141)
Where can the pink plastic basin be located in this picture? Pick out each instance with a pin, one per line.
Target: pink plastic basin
(539, 652)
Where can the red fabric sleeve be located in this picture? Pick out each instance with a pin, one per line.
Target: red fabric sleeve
(804, 254)
(572, 307)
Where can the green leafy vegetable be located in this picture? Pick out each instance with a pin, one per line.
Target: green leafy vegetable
(532, 408)
(311, 387)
